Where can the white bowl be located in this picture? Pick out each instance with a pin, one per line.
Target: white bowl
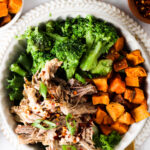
(14, 19)
(134, 35)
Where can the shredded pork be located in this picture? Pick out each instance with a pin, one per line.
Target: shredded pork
(62, 99)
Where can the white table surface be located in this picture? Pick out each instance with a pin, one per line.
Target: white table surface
(122, 4)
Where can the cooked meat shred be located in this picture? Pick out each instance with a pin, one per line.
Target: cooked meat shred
(62, 98)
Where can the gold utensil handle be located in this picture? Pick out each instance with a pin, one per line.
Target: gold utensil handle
(131, 146)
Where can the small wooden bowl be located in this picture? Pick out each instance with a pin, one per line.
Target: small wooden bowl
(136, 13)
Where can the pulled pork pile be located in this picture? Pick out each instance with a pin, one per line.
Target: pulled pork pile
(62, 98)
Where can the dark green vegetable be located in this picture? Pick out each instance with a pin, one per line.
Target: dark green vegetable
(17, 69)
(43, 90)
(80, 78)
(103, 67)
(25, 61)
(71, 125)
(48, 123)
(68, 147)
(106, 142)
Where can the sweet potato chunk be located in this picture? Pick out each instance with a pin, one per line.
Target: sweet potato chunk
(4, 1)
(100, 114)
(107, 120)
(140, 113)
(125, 118)
(119, 44)
(6, 20)
(129, 94)
(101, 99)
(135, 57)
(105, 129)
(119, 127)
(101, 84)
(3, 10)
(132, 81)
(113, 55)
(139, 96)
(120, 65)
(115, 110)
(144, 103)
(137, 71)
(14, 6)
(117, 85)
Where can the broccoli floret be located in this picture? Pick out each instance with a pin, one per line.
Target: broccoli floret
(17, 69)
(100, 37)
(69, 52)
(15, 86)
(37, 40)
(25, 61)
(103, 67)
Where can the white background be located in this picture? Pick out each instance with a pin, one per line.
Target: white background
(122, 4)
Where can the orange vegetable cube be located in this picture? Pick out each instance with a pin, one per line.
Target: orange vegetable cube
(139, 96)
(105, 129)
(3, 10)
(101, 84)
(107, 120)
(115, 110)
(6, 20)
(140, 113)
(102, 99)
(129, 94)
(132, 81)
(14, 6)
(100, 114)
(117, 85)
(137, 71)
(135, 57)
(125, 118)
(119, 44)
(113, 54)
(120, 65)
(119, 127)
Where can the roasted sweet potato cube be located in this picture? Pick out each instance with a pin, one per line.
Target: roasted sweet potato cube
(107, 120)
(135, 57)
(103, 98)
(139, 96)
(113, 55)
(137, 71)
(119, 127)
(140, 113)
(117, 85)
(119, 44)
(105, 129)
(115, 110)
(3, 10)
(6, 20)
(132, 81)
(101, 84)
(120, 65)
(129, 94)
(100, 114)
(125, 118)
(14, 6)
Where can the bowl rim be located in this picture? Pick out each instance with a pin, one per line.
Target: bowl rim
(15, 18)
(125, 21)
(136, 13)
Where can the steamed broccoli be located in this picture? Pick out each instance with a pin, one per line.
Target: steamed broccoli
(103, 67)
(69, 52)
(100, 37)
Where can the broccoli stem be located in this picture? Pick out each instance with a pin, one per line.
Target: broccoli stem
(57, 37)
(89, 39)
(89, 61)
(80, 78)
(17, 69)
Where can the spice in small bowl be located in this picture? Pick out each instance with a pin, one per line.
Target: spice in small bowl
(141, 9)
(8, 10)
